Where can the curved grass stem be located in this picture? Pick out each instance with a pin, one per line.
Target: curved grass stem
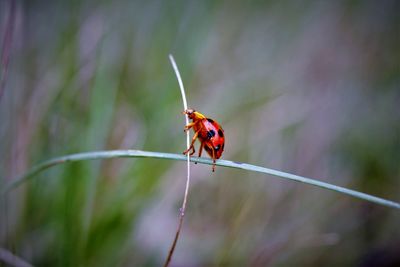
(185, 196)
(223, 163)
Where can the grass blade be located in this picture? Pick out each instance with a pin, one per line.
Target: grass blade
(223, 163)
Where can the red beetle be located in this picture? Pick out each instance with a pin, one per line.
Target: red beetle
(209, 133)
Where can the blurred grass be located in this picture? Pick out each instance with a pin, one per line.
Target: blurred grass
(310, 88)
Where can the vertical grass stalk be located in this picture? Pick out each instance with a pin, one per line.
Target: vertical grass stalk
(183, 208)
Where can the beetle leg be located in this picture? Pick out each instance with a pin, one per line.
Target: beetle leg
(191, 147)
(187, 127)
(213, 167)
(200, 150)
(191, 153)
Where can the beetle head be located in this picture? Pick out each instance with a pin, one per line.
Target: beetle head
(190, 112)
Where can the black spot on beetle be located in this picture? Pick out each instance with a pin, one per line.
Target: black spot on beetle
(220, 133)
(210, 120)
(217, 147)
(210, 134)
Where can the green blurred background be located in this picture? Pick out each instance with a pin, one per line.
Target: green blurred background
(307, 87)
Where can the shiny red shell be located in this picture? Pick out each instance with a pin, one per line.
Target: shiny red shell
(212, 136)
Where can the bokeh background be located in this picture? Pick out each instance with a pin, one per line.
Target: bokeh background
(307, 87)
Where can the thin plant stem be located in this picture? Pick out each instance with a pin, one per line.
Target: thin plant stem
(223, 163)
(183, 208)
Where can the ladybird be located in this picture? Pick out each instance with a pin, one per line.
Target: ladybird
(209, 133)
